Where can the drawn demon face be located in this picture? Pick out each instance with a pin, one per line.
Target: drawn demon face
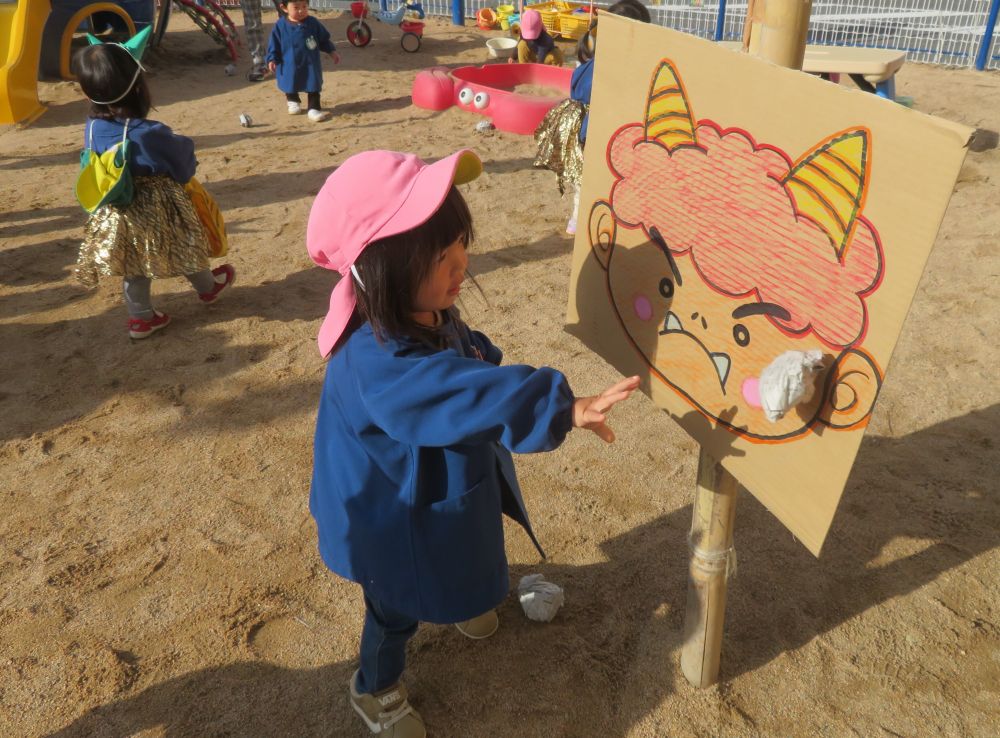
(739, 255)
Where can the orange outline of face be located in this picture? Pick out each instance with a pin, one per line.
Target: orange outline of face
(716, 342)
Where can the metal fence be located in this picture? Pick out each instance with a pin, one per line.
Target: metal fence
(951, 32)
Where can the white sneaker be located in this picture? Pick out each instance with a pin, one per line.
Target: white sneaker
(294, 108)
(318, 116)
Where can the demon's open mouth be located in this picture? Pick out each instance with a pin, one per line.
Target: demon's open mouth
(721, 361)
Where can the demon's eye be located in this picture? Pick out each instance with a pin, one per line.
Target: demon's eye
(481, 100)
(465, 96)
(741, 335)
(667, 288)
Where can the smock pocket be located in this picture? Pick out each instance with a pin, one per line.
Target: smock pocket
(459, 549)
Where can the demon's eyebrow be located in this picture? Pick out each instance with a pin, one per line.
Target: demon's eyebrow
(655, 235)
(761, 308)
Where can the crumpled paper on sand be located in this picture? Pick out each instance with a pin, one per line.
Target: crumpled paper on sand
(540, 600)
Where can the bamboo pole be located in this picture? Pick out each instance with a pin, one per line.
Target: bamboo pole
(711, 555)
(775, 30)
(780, 34)
(755, 17)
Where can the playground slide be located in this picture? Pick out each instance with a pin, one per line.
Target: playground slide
(21, 24)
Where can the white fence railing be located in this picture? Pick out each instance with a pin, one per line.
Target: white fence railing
(951, 32)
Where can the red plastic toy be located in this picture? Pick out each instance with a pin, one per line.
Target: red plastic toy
(489, 91)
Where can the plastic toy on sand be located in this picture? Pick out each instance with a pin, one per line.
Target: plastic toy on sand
(490, 90)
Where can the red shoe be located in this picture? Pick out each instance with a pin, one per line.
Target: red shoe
(139, 328)
(229, 274)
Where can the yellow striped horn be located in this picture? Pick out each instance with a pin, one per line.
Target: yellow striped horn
(830, 182)
(668, 115)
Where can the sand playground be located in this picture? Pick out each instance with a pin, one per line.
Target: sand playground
(158, 565)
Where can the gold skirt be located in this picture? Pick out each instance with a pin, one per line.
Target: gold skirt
(157, 235)
(558, 139)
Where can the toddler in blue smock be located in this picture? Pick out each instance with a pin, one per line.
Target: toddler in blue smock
(293, 54)
(412, 466)
(158, 234)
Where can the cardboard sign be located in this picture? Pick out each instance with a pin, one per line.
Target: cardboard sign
(733, 210)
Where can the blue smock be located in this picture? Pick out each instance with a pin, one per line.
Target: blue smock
(412, 467)
(580, 87)
(153, 147)
(295, 48)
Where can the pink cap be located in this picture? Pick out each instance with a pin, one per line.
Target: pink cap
(531, 24)
(373, 195)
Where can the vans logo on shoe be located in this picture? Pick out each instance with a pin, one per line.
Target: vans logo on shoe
(387, 699)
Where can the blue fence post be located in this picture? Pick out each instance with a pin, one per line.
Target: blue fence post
(720, 20)
(984, 48)
(458, 12)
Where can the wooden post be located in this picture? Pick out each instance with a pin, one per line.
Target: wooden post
(775, 30)
(778, 31)
(711, 553)
(755, 17)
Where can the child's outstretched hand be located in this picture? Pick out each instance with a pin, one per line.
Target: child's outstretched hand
(335, 56)
(591, 412)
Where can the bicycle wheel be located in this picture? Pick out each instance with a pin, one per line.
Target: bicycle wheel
(410, 42)
(359, 33)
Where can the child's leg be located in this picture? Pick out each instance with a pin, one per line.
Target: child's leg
(293, 97)
(316, 115)
(254, 29)
(203, 281)
(383, 647)
(143, 320)
(555, 57)
(209, 283)
(571, 225)
(137, 297)
(294, 103)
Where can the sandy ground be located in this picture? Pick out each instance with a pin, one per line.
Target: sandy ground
(158, 565)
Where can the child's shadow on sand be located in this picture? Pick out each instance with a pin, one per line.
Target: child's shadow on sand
(611, 655)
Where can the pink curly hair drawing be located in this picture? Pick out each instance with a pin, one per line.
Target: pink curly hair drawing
(726, 201)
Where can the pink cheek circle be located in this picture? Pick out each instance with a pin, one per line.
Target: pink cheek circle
(751, 391)
(643, 307)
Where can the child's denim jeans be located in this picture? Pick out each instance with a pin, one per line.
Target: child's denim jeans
(383, 646)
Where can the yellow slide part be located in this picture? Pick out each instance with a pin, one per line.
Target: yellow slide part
(21, 26)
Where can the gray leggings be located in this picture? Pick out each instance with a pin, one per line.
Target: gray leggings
(137, 298)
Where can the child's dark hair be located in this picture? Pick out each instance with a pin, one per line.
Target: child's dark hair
(105, 71)
(392, 269)
(633, 9)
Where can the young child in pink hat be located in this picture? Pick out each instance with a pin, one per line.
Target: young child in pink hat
(536, 45)
(412, 464)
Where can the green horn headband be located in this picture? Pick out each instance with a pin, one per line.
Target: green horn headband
(135, 47)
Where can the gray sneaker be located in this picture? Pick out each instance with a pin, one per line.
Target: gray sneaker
(388, 713)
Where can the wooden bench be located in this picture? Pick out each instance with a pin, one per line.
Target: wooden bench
(873, 70)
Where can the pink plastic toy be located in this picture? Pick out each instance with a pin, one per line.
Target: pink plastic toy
(488, 90)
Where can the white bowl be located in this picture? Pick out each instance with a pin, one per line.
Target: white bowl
(501, 47)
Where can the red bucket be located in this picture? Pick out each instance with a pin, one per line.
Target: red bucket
(359, 10)
(414, 27)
